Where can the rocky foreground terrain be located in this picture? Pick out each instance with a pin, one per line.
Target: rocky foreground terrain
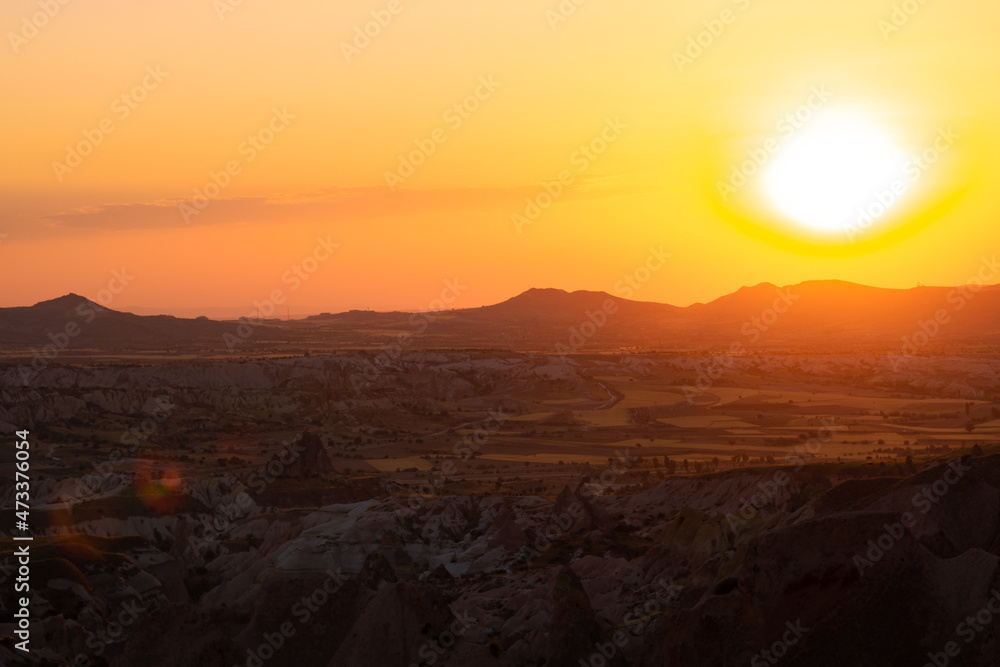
(221, 509)
(802, 565)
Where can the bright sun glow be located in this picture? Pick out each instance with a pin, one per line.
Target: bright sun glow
(832, 170)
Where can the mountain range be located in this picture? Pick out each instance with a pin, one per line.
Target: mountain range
(807, 317)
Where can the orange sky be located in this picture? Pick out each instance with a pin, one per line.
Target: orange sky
(119, 111)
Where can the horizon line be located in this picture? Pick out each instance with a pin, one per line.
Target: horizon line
(314, 311)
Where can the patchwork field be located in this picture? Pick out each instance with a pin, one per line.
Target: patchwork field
(391, 465)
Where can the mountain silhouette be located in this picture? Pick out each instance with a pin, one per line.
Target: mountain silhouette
(822, 315)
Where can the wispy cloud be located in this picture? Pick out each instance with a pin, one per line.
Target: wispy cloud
(330, 203)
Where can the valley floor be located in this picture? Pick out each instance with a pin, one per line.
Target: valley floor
(494, 508)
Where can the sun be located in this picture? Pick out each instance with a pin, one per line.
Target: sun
(838, 172)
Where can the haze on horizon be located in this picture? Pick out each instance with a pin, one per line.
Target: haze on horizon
(311, 128)
(624, 290)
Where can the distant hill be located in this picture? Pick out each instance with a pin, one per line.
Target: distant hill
(814, 315)
(811, 316)
(846, 313)
(83, 323)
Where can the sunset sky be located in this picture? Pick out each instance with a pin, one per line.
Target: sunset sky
(117, 111)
